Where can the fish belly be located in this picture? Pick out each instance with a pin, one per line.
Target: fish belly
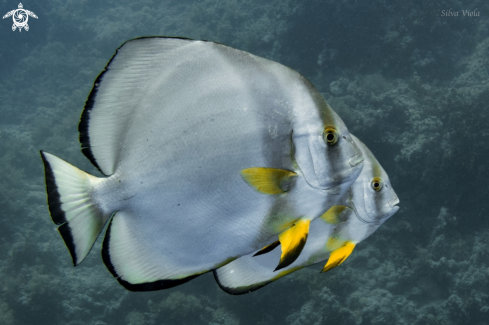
(249, 273)
(186, 205)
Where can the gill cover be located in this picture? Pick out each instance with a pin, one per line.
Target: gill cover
(325, 151)
(332, 237)
(377, 195)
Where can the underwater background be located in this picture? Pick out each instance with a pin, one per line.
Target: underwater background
(411, 81)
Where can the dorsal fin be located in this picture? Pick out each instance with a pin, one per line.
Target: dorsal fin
(116, 94)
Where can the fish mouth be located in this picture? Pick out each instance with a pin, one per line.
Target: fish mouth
(355, 160)
(358, 158)
(394, 202)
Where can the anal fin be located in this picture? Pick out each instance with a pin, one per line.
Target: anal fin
(338, 256)
(293, 241)
(130, 257)
(269, 180)
(145, 286)
(268, 248)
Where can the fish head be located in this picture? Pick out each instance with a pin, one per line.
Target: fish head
(372, 195)
(326, 154)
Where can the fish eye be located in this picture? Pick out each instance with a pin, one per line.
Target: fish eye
(330, 136)
(377, 184)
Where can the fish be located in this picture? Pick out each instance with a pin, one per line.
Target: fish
(207, 152)
(370, 202)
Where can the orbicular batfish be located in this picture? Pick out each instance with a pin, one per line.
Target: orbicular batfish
(208, 153)
(332, 237)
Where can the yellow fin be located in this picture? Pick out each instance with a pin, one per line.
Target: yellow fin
(334, 243)
(267, 248)
(338, 256)
(332, 216)
(292, 241)
(268, 180)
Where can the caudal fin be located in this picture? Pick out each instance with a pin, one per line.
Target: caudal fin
(72, 206)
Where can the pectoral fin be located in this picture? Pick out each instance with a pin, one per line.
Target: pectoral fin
(267, 248)
(338, 256)
(292, 241)
(269, 180)
(334, 214)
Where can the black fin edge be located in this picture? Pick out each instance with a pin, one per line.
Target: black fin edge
(292, 255)
(334, 265)
(268, 248)
(239, 290)
(148, 286)
(155, 286)
(105, 252)
(84, 123)
(54, 199)
(65, 232)
(83, 126)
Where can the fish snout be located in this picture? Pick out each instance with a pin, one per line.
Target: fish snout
(358, 157)
(394, 202)
(356, 160)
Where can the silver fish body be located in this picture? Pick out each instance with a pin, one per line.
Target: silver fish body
(172, 123)
(364, 210)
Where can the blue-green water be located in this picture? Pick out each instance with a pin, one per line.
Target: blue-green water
(409, 80)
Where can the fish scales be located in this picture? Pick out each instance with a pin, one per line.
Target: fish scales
(363, 211)
(172, 123)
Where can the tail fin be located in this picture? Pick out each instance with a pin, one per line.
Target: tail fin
(72, 206)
